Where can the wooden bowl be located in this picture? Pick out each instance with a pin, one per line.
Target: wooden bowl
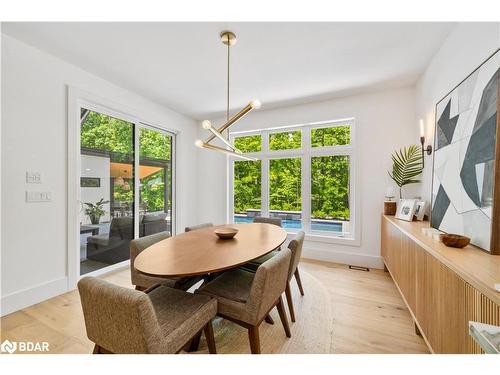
(225, 233)
(454, 240)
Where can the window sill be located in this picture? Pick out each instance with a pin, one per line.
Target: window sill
(326, 238)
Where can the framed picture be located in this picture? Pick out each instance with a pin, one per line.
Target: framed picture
(90, 182)
(420, 210)
(466, 171)
(406, 209)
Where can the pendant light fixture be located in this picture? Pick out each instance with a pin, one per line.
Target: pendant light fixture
(229, 39)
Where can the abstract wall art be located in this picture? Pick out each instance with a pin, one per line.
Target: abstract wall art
(466, 158)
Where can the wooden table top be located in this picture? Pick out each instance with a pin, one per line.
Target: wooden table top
(200, 251)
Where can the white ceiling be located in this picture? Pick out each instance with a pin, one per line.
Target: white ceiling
(183, 65)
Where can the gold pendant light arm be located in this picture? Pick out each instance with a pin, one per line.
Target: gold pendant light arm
(225, 151)
(254, 104)
(208, 126)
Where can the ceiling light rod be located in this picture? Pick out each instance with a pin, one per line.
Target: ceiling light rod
(229, 39)
(208, 146)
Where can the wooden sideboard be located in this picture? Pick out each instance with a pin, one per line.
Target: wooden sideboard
(444, 288)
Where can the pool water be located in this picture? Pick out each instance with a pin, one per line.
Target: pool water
(297, 224)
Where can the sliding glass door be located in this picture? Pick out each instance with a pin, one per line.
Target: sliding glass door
(155, 181)
(112, 171)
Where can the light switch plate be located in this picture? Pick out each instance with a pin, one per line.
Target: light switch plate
(38, 196)
(33, 177)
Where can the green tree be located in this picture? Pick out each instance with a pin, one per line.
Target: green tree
(106, 133)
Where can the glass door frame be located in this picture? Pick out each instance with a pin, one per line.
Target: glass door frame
(77, 100)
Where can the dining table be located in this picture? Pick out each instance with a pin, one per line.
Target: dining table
(201, 251)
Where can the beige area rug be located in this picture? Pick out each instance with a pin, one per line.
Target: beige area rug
(312, 331)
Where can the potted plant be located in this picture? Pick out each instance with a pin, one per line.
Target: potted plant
(95, 210)
(407, 164)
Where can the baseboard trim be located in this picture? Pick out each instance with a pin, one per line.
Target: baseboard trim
(31, 296)
(334, 256)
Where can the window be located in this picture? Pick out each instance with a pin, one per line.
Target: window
(285, 140)
(252, 143)
(247, 190)
(303, 175)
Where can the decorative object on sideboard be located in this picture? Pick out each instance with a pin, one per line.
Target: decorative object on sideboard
(229, 39)
(406, 166)
(428, 149)
(431, 232)
(454, 240)
(406, 209)
(420, 210)
(226, 233)
(390, 205)
(466, 172)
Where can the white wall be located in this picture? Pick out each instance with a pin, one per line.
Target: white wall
(34, 138)
(385, 121)
(467, 46)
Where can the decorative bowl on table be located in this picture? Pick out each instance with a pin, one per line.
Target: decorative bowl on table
(225, 233)
(454, 240)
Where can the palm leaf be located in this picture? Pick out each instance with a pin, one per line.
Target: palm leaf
(407, 164)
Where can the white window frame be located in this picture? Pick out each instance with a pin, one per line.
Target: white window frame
(306, 152)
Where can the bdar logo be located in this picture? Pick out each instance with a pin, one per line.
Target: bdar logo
(9, 347)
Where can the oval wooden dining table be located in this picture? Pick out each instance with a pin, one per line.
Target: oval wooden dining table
(200, 252)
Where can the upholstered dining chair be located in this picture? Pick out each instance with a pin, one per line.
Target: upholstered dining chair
(142, 281)
(295, 247)
(246, 298)
(254, 264)
(162, 320)
(199, 226)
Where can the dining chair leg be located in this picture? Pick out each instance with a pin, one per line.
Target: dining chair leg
(299, 282)
(288, 294)
(253, 336)
(284, 321)
(209, 336)
(269, 320)
(195, 342)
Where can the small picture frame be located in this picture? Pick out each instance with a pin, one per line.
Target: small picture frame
(420, 208)
(406, 209)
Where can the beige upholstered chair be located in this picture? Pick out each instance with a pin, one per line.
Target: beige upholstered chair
(295, 247)
(246, 298)
(199, 226)
(122, 320)
(141, 281)
(254, 264)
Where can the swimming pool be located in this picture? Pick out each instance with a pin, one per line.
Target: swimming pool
(296, 224)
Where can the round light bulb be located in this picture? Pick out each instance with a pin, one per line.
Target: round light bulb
(255, 104)
(206, 124)
(198, 143)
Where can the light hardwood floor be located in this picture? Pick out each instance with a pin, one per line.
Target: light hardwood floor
(343, 311)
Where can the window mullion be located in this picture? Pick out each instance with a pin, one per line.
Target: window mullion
(306, 179)
(265, 175)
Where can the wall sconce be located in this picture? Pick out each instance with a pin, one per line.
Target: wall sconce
(427, 149)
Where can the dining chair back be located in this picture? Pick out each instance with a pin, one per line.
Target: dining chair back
(138, 245)
(268, 285)
(161, 320)
(268, 220)
(199, 226)
(119, 319)
(295, 247)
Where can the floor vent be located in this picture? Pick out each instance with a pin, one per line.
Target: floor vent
(357, 268)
